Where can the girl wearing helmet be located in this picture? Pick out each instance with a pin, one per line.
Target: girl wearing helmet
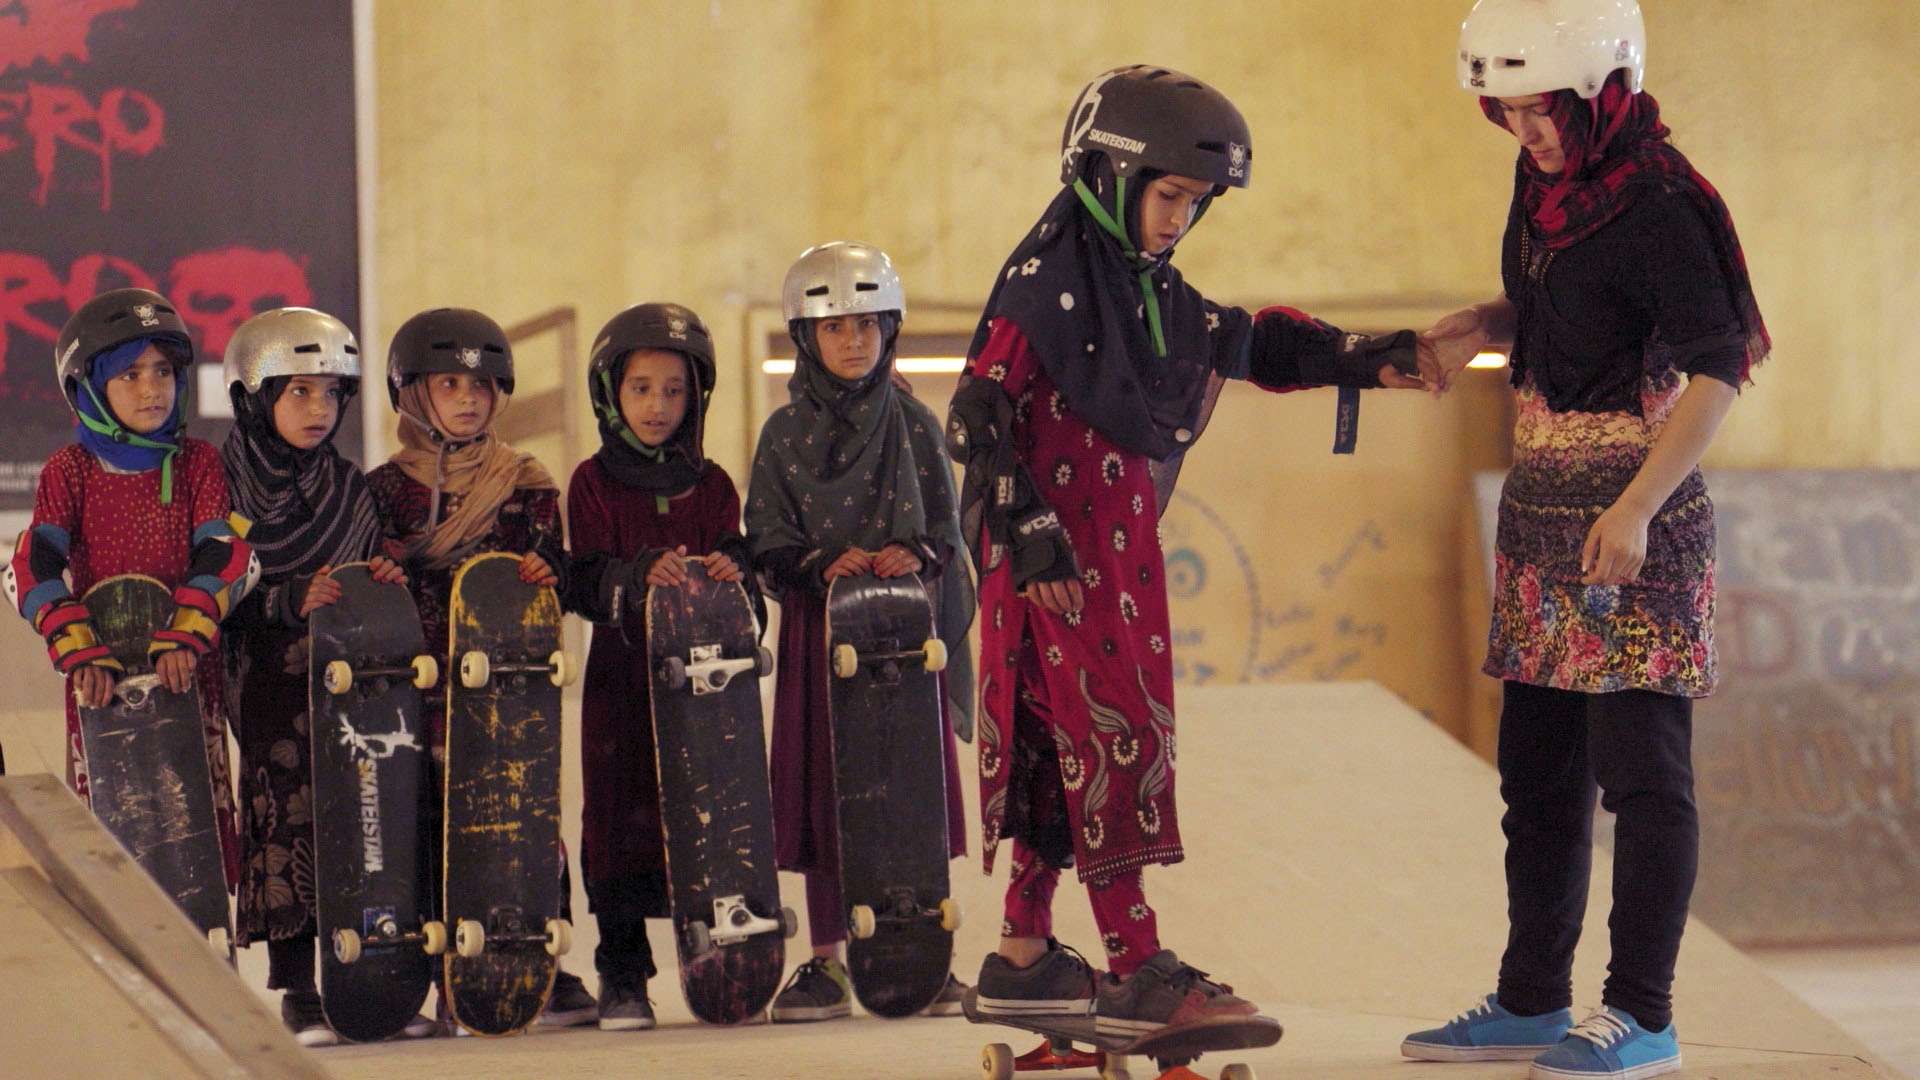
(849, 478)
(133, 495)
(1632, 325)
(644, 500)
(1091, 374)
(455, 490)
(290, 373)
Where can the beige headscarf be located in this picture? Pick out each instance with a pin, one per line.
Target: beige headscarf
(485, 472)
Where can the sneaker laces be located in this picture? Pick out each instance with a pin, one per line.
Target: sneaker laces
(1602, 1029)
(1187, 975)
(1479, 1008)
(1093, 975)
(816, 966)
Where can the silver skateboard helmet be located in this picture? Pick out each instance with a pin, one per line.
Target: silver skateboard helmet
(289, 341)
(841, 278)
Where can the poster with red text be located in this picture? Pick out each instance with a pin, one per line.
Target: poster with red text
(203, 148)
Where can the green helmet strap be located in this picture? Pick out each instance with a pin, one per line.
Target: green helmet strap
(1112, 224)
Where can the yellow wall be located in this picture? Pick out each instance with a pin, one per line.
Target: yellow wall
(598, 154)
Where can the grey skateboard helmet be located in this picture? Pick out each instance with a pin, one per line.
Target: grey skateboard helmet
(841, 278)
(290, 341)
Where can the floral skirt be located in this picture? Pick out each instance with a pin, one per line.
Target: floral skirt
(1655, 633)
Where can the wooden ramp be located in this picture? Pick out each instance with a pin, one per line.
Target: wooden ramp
(100, 974)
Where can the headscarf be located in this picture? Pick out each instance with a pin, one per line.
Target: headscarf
(1143, 375)
(107, 436)
(667, 469)
(483, 470)
(1615, 146)
(861, 462)
(309, 508)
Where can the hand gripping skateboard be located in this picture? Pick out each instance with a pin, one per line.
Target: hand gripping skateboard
(502, 840)
(1171, 1048)
(706, 662)
(890, 787)
(367, 665)
(146, 752)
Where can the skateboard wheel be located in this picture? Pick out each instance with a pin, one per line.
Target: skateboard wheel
(338, 677)
(469, 938)
(1237, 1072)
(426, 671)
(1115, 1072)
(559, 937)
(762, 660)
(935, 651)
(674, 671)
(846, 660)
(563, 671)
(949, 914)
(435, 932)
(221, 941)
(474, 670)
(346, 946)
(996, 1062)
(699, 938)
(789, 923)
(861, 922)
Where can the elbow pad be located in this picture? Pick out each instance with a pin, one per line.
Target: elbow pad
(221, 570)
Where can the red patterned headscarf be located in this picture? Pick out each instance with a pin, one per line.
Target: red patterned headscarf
(1612, 145)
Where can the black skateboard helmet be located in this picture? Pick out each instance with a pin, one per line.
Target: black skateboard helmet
(459, 341)
(673, 327)
(1153, 118)
(114, 318)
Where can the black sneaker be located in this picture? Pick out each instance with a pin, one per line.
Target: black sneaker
(300, 1011)
(625, 1008)
(1060, 983)
(1164, 991)
(569, 1005)
(948, 1003)
(819, 990)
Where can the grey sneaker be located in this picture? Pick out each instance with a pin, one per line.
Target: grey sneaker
(569, 1005)
(948, 1003)
(625, 1008)
(1061, 983)
(819, 990)
(1164, 991)
(300, 1011)
(420, 1027)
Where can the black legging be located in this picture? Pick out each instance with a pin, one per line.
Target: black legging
(1555, 746)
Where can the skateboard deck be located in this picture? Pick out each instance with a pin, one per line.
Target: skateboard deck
(1171, 1048)
(890, 787)
(146, 751)
(366, 668)
(502, 837)
(705, 661)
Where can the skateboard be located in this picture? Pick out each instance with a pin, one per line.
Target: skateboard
(705, 661)
(366, 668)
(146, 750)
(890, 787)
(502, 839)
(1171, 1048)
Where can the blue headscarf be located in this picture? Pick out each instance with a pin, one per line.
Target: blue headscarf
(107, 437)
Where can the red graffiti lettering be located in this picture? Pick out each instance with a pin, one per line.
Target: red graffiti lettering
(52, 116)
(50, 31)
(215, 291)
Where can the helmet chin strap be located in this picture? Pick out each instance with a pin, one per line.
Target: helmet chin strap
(113, 429)
(1145, 263)
(611, 414)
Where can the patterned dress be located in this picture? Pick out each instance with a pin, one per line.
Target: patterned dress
(1106, 670)
(118, 525)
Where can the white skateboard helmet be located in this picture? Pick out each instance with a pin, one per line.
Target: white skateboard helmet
(1513, 48)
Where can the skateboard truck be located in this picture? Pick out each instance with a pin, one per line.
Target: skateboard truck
(708, 672)
(380, 930)
(734, 922)
(847, 660)
(134, 690)
(476, 670)
(902, 906)
(340, 675)
(510, 926)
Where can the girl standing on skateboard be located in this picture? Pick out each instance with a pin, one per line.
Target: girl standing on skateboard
(848, 478)
(455, 491)
(290, 373)
(1092, 373)
(1632, 324)
(646, 498)
(133, 496)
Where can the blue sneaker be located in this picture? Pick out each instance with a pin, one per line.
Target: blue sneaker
(1487, 1032)
(1613, 1045)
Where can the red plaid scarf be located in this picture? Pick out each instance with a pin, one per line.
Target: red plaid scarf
(1612, 145)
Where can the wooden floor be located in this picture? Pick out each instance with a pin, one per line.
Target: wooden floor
(1344, 871)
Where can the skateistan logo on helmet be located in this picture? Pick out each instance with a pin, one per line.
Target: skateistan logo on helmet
(470, 357)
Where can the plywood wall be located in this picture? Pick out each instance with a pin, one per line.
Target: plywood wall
(598, 154)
